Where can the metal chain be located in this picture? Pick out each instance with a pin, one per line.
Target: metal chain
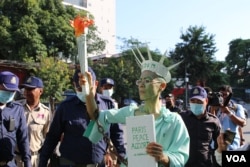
(111, 147)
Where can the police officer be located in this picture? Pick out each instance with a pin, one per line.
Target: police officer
(107, 88)
(170, 103)
(203, 128)
(71, 119)
(13, 127)
(38, 117)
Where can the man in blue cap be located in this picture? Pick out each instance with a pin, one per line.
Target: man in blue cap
(106, 87)
(13, 127)
(71, 120)
(38, 117)
(203, 128)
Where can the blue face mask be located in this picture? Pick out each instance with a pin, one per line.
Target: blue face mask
(197, 109)
(6, 96)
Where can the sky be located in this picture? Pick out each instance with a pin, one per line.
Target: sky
(161, 22)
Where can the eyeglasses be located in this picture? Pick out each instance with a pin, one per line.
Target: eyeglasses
(145, 81)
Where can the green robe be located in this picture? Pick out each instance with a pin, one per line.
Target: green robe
(170, 130)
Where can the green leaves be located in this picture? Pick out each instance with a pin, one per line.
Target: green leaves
(197, 50)
(28, 24)
(36, 32)
(238, 61)
(56, 77)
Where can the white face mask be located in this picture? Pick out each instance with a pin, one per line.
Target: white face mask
(81, 96)
(108, 92)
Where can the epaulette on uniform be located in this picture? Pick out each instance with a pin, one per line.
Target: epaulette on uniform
(16, 103)
(44, 106)
(22, 101)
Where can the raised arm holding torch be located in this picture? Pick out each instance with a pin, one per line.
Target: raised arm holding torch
(80, 25)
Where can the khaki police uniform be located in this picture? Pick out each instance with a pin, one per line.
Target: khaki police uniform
(38, 121)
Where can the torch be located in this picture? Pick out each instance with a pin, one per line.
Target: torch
(80, 25)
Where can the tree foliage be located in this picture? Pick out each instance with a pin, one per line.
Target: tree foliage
(56, 76)
(30, 28)
(238, 63)
(125, 71)
(197, 51)
(122, 70)
(35, 32)
(39, 30)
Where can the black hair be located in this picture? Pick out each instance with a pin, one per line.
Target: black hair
(227, 88)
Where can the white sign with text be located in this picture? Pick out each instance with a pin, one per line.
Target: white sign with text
(140, 132)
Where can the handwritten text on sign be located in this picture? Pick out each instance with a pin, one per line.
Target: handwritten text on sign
(140, 137)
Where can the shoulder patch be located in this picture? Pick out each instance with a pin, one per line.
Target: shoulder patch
(44, 106)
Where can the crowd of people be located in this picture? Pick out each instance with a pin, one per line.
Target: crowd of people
(30, 134)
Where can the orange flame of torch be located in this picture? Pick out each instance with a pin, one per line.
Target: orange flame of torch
(79, 24)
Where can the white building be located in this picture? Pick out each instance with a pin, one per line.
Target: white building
(104, 12)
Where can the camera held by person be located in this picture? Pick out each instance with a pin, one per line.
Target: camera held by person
(216, 99)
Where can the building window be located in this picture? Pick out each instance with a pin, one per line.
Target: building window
(83, 3)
